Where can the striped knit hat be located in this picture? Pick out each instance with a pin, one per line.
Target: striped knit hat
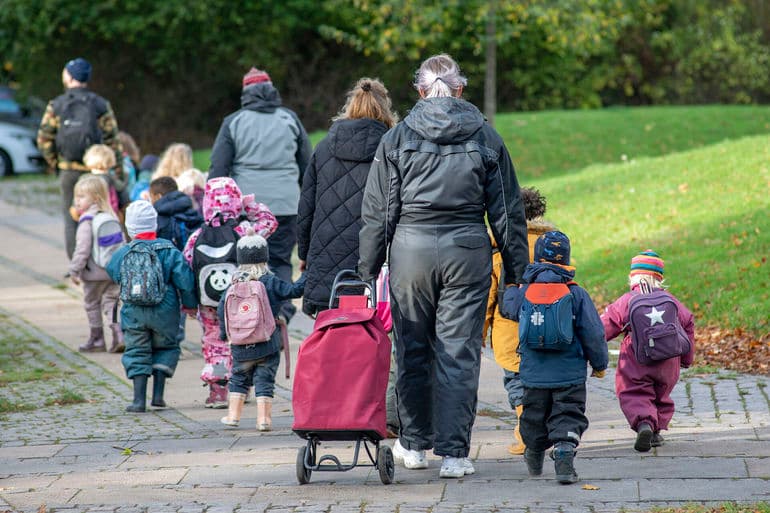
(647, 262)
(255, 76)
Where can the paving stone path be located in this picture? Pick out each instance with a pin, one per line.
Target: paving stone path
(92, 457)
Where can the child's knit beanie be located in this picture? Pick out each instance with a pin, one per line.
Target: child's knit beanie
(647, 262)
(252, 249)
(141, 217)
(552, 247)
(255, 76)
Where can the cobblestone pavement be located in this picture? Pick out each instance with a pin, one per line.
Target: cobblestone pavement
(92, 457)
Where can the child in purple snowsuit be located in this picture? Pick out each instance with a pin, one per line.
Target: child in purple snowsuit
(644, 391)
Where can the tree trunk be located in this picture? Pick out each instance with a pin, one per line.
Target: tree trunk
(490, 75)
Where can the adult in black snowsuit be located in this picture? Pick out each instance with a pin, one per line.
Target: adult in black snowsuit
(329, 216)
(434, 177)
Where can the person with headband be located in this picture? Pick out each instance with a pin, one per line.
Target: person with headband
(435, 177)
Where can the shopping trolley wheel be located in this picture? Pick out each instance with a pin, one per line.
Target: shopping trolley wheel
(385, 464)
(303, 473)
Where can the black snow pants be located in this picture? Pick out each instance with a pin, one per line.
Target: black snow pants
(553, 415)
(440, 278)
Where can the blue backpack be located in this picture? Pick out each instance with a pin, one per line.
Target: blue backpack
(142, 280)
(546, 317)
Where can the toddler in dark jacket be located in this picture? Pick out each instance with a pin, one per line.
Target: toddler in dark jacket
(256, 364)
(554, 379)
(177, 216)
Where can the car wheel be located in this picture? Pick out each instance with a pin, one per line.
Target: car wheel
(6, 166)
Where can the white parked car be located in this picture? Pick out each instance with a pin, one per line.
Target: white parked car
(18, 149)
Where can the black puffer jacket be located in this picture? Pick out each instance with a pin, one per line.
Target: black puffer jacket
(329, 217)
(443, 164)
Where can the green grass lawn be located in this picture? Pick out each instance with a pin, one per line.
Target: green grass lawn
(690, 182)
(705, 211)
(543, 144)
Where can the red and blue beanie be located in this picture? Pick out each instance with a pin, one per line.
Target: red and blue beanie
(647, 262)
(552, 247)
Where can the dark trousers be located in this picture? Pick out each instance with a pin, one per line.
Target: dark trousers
(281, 246)
(553, 415)
(67, 180)
(439, 287)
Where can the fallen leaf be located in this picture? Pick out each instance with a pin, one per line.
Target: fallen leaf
(590, 487)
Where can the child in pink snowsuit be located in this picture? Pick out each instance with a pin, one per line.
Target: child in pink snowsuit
(644, 391)
(222, 201)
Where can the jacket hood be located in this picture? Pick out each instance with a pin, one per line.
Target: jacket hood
(222, 196)
(444, 120)
(262, 97)
(178, 204)
(548, 273)
(355, 139)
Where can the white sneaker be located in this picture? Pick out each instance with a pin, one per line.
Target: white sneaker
(409, 458)
(456, 467)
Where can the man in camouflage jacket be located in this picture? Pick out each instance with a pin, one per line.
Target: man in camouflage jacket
(75, 78)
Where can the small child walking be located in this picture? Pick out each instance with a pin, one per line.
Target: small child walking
(100, 159)
(177, 216)
(100, 293)
(211, 252)
(644, 391)
(505, 332)
(553, 368)
(153, 278)
(254, 363)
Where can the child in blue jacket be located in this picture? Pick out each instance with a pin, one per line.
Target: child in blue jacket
(151, 331)
(555, 380)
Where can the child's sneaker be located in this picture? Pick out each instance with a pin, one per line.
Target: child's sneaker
(456, 467)
(563, 462)
(534, 460)
(657, 439)
(644, 436)
(409, 458)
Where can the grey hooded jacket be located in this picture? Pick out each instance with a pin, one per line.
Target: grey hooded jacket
(443, 164)
(264, 148)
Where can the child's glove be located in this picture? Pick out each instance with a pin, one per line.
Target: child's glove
(598, 373)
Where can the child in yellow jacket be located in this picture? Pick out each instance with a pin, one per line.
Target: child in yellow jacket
(504, 332)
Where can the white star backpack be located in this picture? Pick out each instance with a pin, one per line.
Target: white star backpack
(656, 333)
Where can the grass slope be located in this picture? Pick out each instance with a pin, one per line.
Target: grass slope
(705, 211)
(551, 142)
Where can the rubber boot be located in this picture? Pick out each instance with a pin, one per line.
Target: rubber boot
(517, 447)
(235, 409)
(264, 413)
(644, 434)
(534, 460)
(217, 398)
(95, 342)
(563, 462)
(140, 394)
(118, 344)
(158, 386)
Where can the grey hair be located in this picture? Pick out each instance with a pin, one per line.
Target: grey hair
(438, 76)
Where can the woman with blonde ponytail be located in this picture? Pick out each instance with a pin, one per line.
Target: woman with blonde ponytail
(333, 186)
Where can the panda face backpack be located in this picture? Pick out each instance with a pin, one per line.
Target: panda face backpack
(214, 261)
